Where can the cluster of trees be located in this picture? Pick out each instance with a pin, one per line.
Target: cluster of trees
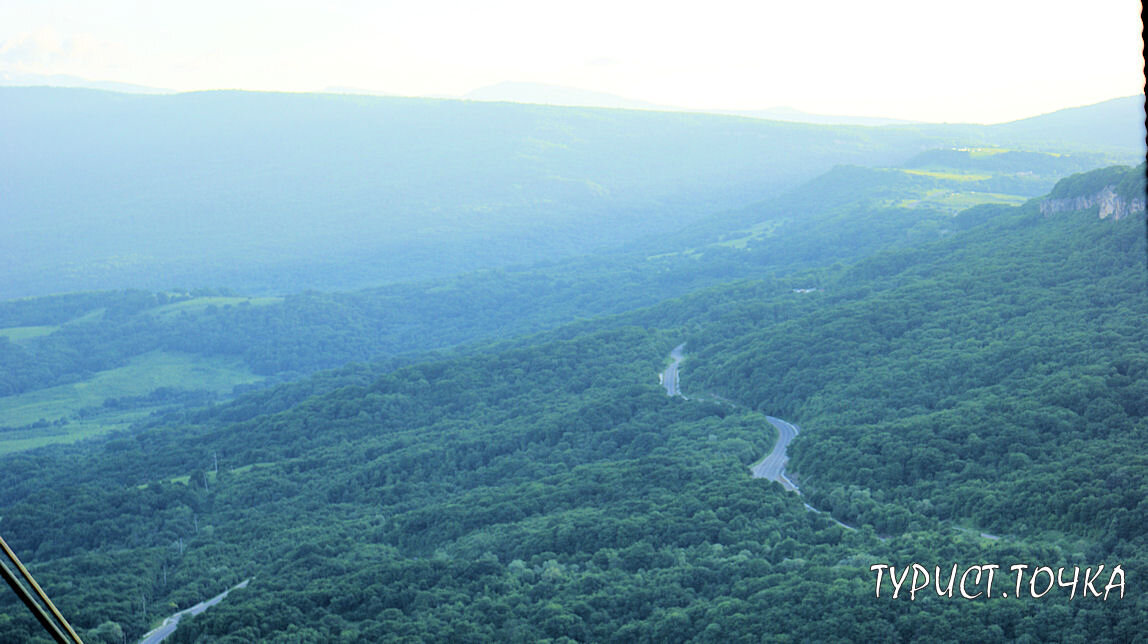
(1129, 184)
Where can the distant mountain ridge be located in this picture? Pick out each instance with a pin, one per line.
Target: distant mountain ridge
(1117, 109)
(1110, 124)
(10, 79)
(799, 116)
(546, 94)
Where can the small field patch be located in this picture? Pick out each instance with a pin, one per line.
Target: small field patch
(201, 303)
(81, 404)
(949, 176)
(22, 333)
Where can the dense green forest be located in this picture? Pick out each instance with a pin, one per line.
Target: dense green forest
(953, 375)
(960, 367)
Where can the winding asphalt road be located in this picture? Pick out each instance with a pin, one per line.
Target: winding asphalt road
(670, 375)
(169, 624)
(772, 466)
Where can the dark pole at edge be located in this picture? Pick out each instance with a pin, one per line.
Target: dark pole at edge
(30, 600)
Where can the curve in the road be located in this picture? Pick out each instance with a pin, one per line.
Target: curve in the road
(772, 465)
(670, 375)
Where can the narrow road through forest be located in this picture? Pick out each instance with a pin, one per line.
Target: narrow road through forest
(169, 625)
(669, 377)
(772, 465)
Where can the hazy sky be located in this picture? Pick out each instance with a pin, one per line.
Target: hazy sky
(973, 61)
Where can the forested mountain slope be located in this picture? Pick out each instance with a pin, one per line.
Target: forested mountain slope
(973, 369)
(1116, 124)
(546, 487)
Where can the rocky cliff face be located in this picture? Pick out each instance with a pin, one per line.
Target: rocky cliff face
(1109, 202)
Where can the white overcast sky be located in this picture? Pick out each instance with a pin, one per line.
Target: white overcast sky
(974, 61)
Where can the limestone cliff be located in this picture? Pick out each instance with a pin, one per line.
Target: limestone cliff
(1110, 204)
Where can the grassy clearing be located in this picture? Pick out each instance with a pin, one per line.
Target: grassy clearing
(90, 316)
(201, 303)
(761, 230)
(977, 153)
(963, 200)
(692, 253)
(955, 201)
(949, 176)
(139, 377)
(738, 240)
(212, 476)
(75, 430)
(21, 333)
(250, 466)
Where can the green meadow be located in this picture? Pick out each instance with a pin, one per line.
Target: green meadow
(761, 230)
(949, 176)
(957, 200)
(81, 404)
(201, 303)
(20, 333)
